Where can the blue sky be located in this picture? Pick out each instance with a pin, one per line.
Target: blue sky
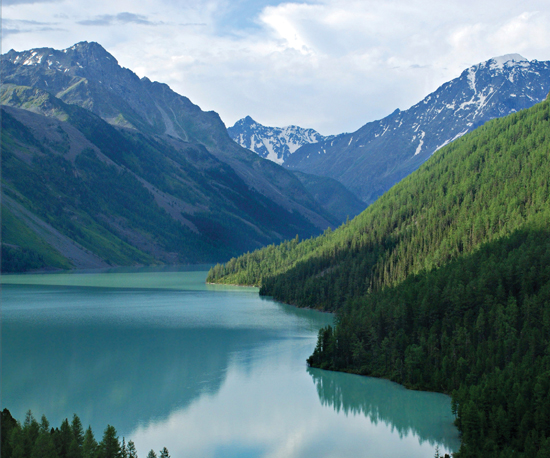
(328, 64)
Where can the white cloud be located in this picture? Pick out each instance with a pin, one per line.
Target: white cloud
(332, 64)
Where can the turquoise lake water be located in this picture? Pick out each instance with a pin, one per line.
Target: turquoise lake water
(207, 371)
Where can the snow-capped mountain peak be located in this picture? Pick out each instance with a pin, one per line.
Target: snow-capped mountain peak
(273, 143)
(509, 59)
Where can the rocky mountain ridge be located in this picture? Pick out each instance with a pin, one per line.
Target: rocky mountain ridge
(379, 154)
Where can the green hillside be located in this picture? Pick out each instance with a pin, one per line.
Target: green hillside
(480, 188)
(23, 250)
(442, 284)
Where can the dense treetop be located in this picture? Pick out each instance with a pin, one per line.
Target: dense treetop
(34, 439)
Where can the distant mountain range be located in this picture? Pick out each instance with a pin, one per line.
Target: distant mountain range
(100, 168)
(381, 153)
(273, 143)
(375, 157)
(278, 143)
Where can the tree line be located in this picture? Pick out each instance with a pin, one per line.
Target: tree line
(34, 439)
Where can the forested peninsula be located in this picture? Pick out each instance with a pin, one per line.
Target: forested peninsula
(442, 284)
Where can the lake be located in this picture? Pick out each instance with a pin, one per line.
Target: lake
(207, 371)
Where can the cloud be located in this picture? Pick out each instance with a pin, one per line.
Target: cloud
(7, 31)
(328, 64)
(12, 27)
(122, 18)
(26, 2)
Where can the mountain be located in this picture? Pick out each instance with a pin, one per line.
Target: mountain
(442, 284)
(375, 157)
(101, 168)
(278, 143)
(332, 195)
(273, 143)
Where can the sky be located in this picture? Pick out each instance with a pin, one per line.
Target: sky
(331, 65)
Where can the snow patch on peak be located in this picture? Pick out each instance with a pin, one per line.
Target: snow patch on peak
(500, 61)
(273, 143)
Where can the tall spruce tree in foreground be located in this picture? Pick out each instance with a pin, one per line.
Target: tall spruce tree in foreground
(132, 453)
(89, 444)
(109, 447)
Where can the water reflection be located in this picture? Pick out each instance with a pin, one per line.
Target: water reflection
(268, 407)
(426, 415)
(206, 371)
(119, 376)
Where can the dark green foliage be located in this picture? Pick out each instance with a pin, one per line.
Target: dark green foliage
(63, 438)
(7, 425)
(151, 454)
(478, 327)
(89, 444)
(443, 284)
(110, 447)
(38, 440)
(15, 259)
(30, 433)
(132, 453)
(44, 446)
(480, 188)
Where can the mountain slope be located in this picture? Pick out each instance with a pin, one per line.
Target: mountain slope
(104, 168)
(442, 284)
(332, 195)
(481, 187)
(379, 154)
(273, 143)
(88, 76)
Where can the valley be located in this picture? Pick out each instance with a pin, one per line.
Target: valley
(425, 233)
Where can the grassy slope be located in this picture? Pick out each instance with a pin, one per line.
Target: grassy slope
(110, 212)
(15, 233)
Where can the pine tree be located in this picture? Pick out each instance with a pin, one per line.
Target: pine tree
(132, 453)
(89, 444)
(7, 424)
(78, 432)
(124, 449)
(109, 447)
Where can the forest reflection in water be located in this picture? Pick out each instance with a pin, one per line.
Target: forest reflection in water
(426, 415)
